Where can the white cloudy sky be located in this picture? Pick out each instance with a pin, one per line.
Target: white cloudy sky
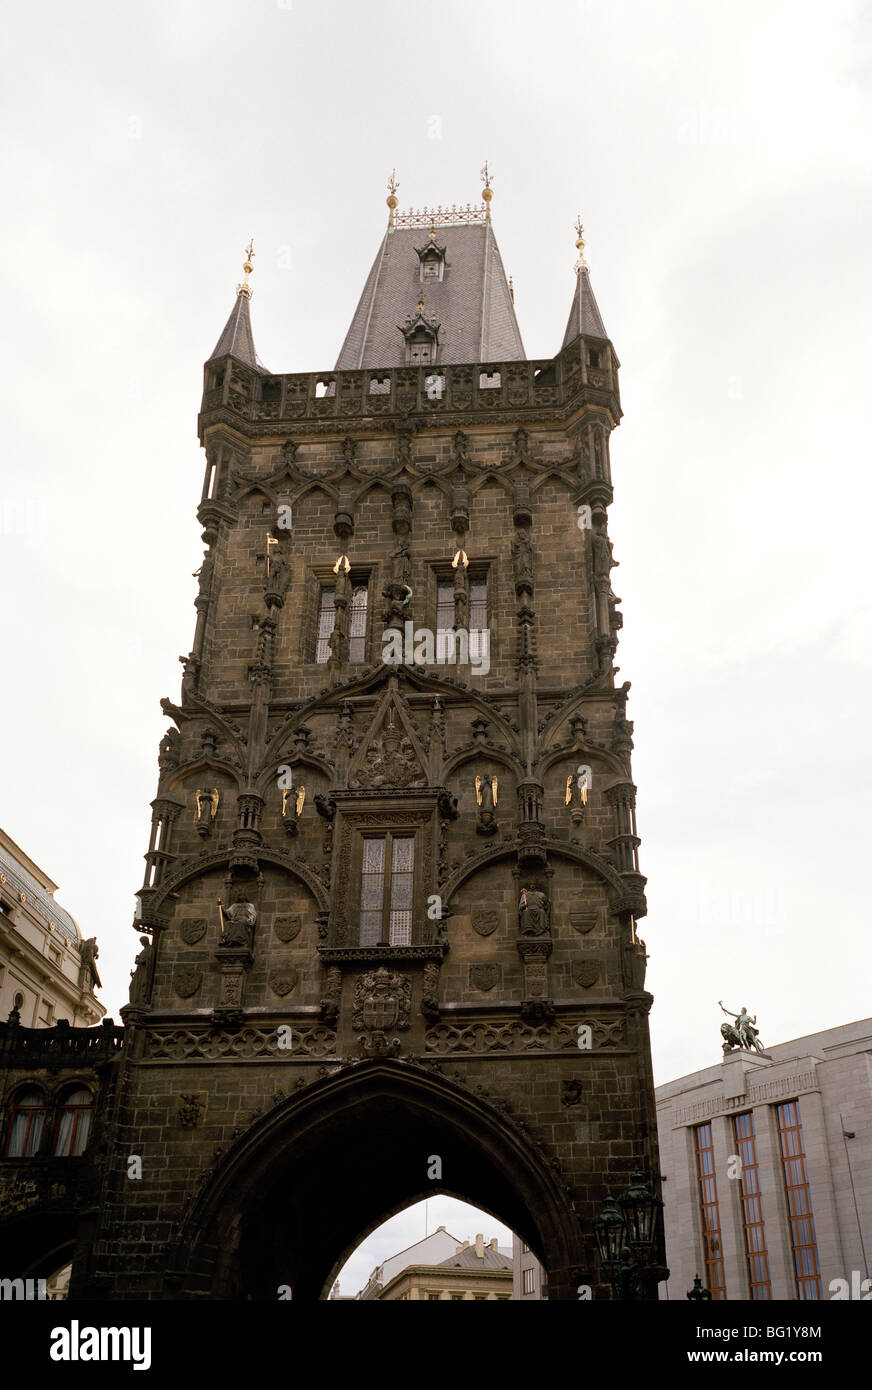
(719, 154)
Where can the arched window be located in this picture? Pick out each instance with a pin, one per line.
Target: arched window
(74, 1123)
(28, 1118)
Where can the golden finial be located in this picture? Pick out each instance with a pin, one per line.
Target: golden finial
(487, 191)
(392, 199)
(432, 229)
(512, 288)
(581, 263)
(245, 288)
(421, 304)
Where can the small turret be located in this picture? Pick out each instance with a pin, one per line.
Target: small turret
(237, 339)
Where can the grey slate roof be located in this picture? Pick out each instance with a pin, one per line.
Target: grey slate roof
(584, 316)
(467, 1259)
(237, 340)
(20, 881)
(471, 303)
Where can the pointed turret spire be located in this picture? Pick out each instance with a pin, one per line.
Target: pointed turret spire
(584, 316)
(237, 340)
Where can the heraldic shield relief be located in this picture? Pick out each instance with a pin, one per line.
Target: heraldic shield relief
(382, 1000)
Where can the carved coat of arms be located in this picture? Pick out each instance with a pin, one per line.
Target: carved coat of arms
(281, 982)
(583, 922)
(586, 972)
(187, 980)
(193, 930)
(484, 976)
(485, 920)
(286, 928)
(382, 1000)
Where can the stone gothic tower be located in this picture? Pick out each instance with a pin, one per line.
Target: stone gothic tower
(389, 913)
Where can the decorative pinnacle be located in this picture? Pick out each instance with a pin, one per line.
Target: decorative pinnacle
(581, 263)
(245, 288)
(421, 303)
(487, 191)
(392, 199)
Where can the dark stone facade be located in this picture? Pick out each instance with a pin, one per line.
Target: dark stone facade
(284, 1086)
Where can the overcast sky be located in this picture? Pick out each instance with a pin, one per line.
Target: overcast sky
(720, 157)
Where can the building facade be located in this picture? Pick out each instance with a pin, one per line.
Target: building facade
(48, 971)
(767, 1164)
(474, 1272)
(392, 882)
(529, 1279)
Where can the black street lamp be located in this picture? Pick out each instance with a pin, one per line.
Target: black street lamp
(698, 1293)
(625, 1239)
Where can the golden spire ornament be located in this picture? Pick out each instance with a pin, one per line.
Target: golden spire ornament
(581, 263)
(245, 288)
(392, 199)
(487, 192)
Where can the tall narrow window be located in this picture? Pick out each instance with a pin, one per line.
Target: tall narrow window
(756, 1258)
(478, 637)
(803, 1242)
(357, 624)
(25, 1132)
(326, 622)
(74, 1124)
(444, 620)
(708, 1209)
(386, 890)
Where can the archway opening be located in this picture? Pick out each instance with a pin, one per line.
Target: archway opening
(440, 1249)
(302, 1189)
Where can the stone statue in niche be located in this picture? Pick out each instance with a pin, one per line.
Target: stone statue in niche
(486, 791)
(238, 920)
(207, 806)
(522, 554)
(603, 560)
(293, 801)
(461, 599)
(204, 573)
(140, 976)
(533, 912)
(402, 558)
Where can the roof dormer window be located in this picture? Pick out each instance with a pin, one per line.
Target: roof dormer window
(431, 260)
(422, 338)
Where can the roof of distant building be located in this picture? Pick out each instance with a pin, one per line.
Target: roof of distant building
(470, 1259)
(24, 876)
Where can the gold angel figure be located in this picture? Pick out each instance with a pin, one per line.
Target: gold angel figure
(299, 799)
(583, 784)
(206, 797)
(486, 791)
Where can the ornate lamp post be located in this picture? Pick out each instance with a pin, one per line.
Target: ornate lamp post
(698, 1293)
(625, 1238)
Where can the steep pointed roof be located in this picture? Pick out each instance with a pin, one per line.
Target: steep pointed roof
(237, 340)
(471, 302)
(584, 316)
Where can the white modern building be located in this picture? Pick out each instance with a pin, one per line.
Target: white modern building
(767, 1168)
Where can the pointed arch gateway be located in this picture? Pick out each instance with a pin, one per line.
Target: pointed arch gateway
(297, 1193)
